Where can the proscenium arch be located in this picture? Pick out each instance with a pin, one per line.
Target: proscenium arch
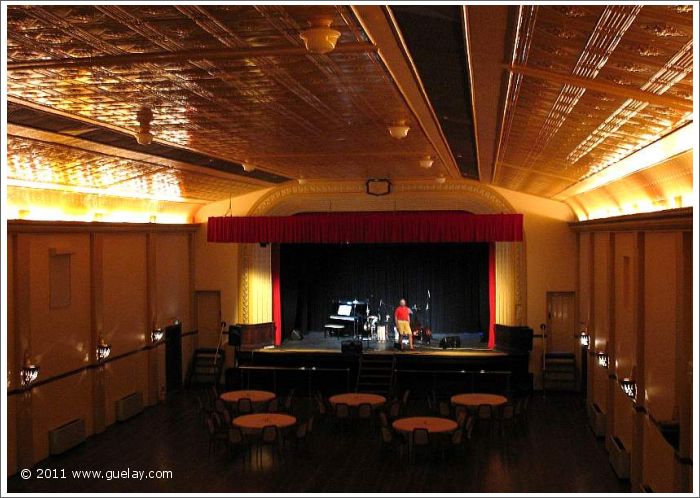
(255, 281)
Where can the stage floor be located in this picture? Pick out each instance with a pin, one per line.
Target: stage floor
(315, 342)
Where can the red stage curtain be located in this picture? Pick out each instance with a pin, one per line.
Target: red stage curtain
(276, 293)
(375, 227)
(492, 295)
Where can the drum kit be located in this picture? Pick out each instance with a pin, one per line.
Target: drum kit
(376, 327)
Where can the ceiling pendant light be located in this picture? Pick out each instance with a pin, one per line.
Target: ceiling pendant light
(320, 38)
(399, 129)
(144, 117)
(426, 162)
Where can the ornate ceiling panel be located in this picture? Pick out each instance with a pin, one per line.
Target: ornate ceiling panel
(286, 112)
(574, 104)
(61, 167)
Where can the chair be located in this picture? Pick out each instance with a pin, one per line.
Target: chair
(506, 418)
(244, 406)
(222, 409)
(269, 437)
(342, 414)
(273, 405)
(365, 412)
(395, 410)
(383, 420)
(216, 435)
(461, 419)
(406, 394)
(469, 427)
(485, 414)
(311, 424)
(390, 441)
(419, 438)
(236, 439)
(288, 400)
(444, 409)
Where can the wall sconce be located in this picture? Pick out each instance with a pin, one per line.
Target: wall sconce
(157, 335)
(176, 321)
(103, 350)
(585, 339)
(399, 129)
(29, 373)
(629, 386)
(425, 162)
(602, 358)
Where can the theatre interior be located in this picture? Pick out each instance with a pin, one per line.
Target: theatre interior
(349, 248)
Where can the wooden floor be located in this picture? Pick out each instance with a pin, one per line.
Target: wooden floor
(556, 453)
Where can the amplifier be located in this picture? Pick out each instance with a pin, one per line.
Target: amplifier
(351, 347)
(450, 341)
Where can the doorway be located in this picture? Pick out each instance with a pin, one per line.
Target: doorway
(561, 322)
(208, 317)
(173, 358)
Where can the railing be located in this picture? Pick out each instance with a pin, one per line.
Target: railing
(468, 374)
(310, 371)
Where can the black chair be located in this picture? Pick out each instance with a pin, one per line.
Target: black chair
(342, 415)
(273, 405)
(395, 410)
(444, 409)
(383, 420)
(269, 436)
(420, 438)
(217, 436)
(244, 406)
(288, 402)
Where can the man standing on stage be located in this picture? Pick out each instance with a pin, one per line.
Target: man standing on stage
(402, 318)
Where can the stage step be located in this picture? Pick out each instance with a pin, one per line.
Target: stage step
(375, 374)
(559, 373)
(206, 366)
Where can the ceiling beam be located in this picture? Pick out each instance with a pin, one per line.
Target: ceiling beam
(183, 56)
(598, 86)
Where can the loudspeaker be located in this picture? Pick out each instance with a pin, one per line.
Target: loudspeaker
(451, 341)
(234, 335)
(296, 335)
(351, 347)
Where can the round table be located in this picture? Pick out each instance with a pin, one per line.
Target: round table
(257, 421)
(357, 399)
(431, 424)
(473, 400)
(252, 395)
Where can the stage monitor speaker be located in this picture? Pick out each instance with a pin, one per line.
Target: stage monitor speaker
(296, 335)
(234, 335)
(450, 341)
(351, 347)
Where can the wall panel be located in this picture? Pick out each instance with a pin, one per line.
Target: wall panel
(172, 279)
(123, 377)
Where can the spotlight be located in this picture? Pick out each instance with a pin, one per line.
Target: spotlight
(399, 130)
(320, 38)
(426, 162)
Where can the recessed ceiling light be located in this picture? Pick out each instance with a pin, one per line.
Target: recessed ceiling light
(426, 162)
(320, 38)
(399, 129)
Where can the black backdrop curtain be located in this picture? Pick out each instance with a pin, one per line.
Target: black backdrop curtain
(312, 276)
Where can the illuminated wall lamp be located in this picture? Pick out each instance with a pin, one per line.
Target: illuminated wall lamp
(29, 373)
(629, 387)
(157, 335)
(103, 350)
(585, 339)
(602, 358)
(320, 38)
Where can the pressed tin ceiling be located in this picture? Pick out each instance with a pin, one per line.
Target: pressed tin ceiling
(282, 110)
(632, 84)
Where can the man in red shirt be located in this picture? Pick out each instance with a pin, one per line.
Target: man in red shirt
(402, 318)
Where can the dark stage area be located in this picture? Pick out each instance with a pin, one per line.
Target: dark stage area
(448, 284)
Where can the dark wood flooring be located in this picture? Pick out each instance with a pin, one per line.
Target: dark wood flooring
(555, 453)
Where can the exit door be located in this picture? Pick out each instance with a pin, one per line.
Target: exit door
(561, 322)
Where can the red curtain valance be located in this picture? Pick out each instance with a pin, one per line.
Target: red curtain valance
(372, 227)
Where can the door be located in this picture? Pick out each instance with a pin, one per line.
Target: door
(173, 358)
(208, 309)
(561, 322)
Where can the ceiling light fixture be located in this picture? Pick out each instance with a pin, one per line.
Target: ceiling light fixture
(426, 162)
(144, 117)
(320, 38)
(399, 129)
